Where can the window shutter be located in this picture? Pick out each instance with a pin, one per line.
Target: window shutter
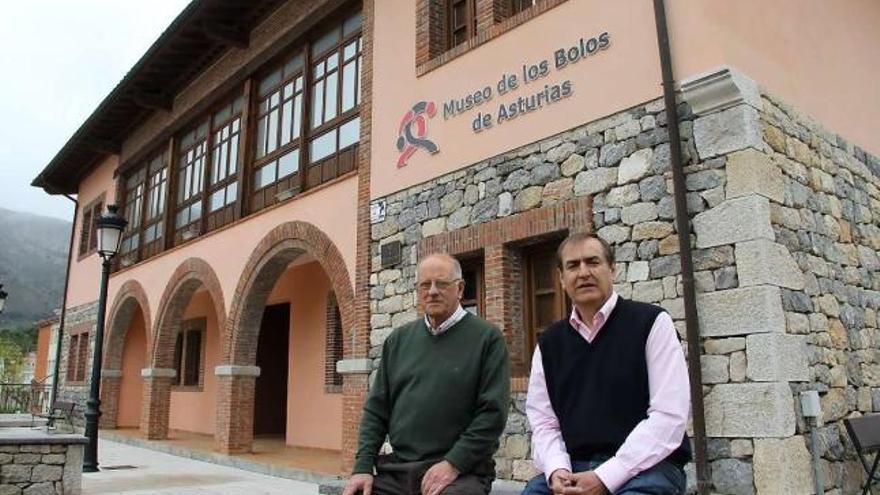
(84, 231)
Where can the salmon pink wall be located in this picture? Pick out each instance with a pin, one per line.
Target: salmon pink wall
(818, 56)
(195, 410)
(623, 75)
(332, 210)
(134, 357)
(85, 274)
(314, 418)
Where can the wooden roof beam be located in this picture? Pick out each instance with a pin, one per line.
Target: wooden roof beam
(228, 34)
(153, 100)
(103, 145)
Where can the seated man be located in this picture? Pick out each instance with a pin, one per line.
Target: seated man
(441, 395)
(608, 393)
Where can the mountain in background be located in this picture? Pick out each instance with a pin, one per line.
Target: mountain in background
(33, 263)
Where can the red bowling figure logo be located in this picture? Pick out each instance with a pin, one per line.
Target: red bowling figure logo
(412, 133)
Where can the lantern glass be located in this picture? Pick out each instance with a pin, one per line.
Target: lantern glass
(110, 229)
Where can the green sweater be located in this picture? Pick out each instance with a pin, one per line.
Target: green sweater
(436, 397)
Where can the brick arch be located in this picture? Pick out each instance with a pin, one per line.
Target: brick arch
(130, 297)
(267, 263)
(190, 276)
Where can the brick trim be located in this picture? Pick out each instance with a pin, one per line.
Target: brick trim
(267, 262)
(130, 296)
(356, 337)
(189, 276)
(575, 215)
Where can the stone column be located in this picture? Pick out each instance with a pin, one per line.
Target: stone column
(110, 383)
(355, 379)
(234, 432)
(156, 404)
(750, 358)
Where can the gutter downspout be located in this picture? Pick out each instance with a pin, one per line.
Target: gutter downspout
(57, 366)
(682, 223)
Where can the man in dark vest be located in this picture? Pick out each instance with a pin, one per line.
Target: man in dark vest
(608, 397)
(440, 395)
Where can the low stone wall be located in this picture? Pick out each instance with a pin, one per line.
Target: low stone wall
(34, 463)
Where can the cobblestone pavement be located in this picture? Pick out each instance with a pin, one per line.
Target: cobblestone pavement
(163, 474)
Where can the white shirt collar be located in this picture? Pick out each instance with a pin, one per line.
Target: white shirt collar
(446, 325)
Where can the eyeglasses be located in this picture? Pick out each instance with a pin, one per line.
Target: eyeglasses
(440, 284)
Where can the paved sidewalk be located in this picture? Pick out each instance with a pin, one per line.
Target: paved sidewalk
(164, 474)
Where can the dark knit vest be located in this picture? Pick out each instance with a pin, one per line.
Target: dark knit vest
(599, 390)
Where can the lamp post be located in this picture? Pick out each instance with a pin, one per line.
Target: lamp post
(3, 295)
(110, 228)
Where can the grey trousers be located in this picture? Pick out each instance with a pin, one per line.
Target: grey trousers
(405, 478)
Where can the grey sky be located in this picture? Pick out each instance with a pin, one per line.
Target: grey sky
(59, 59)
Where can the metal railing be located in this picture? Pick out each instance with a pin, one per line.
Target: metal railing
(24, 398)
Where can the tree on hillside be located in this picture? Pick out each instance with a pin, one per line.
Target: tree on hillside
(11, 360)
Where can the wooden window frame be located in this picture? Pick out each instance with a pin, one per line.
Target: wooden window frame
(88, 233)
(309, 173)
(181, 359)
(137, 187)
(514, 7)
(529, 291)
(449, 27)
(333, 348)
(133, 194)
(207, 139)
(78, 356)
(478, 265)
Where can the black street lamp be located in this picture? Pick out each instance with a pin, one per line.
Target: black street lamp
(110, 228)
(3, 295)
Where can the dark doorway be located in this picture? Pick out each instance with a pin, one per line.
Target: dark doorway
(270, 397)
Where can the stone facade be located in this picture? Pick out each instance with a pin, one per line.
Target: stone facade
(612, 174)
(82, 317)
(829, 222)
(41, 469)
(785, 237)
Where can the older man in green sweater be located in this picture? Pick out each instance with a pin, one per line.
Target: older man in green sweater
(440, 395)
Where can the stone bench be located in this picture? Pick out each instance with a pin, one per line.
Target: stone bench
(499, 487)
(32, 461)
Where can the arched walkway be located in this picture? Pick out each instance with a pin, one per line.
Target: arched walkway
(191, 276)
(269, 260)
(130, 303)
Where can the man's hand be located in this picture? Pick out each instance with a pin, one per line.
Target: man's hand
(359, 482)
(586, 483)
(438, 478)
(560, 479)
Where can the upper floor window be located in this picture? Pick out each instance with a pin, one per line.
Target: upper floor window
(461, 21)
(207, 173)
(88, 233)
(307, 115)
(516, 6)
(144, 193)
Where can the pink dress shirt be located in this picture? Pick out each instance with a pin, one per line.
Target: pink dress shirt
(653, 439)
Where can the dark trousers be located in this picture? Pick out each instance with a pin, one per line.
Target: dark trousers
(394, 477)
(665, 478)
